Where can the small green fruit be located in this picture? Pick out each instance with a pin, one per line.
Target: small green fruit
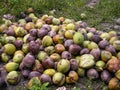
(47, 41)
(50, 72)
(11, 66)
(13, 77)
(9, 49)
(18, 58)
(59, 78)
(78, 38)
(63, 66)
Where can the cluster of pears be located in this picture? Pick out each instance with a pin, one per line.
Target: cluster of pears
(58, 51)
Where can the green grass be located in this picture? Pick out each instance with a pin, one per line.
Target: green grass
(105, 11)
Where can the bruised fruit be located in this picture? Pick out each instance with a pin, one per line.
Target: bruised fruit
(74, 49)
(73, 64)
(58, 39)
(45, 78)
(113, 65)
(5, 57)
(72, 77)
(47, 41)
(96, 53)
(55, 57)
(78, 38)
(59, 48)
(58, 78)
(42, 55)
(111, 49)
(66, 55)
(92, 74)
(49, 50)
(105, 76)
(106, 55)
(25, 73)
(28, 61)
(11, 66)
(63, 66)
(13, 77)
(84, 51)
(48, 63)
(34, 74)
(33, 47)
(102, 44)
(67, 43)
(86, 61)
(114, 84)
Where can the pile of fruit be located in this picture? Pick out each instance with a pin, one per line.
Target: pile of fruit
(58, 51)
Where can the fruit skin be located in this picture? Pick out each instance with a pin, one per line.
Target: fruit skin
(28, 61)
(59, 48)
(86, 61)
(78, 38)
(58, 78)
(111, 49)
(9, 48)
(47, 41)
(72, 77)
(13, 77)
(49, 50)
(117, 74)
(18, 58)
(102, 44)
(73, 64)
(113, 65)
(69, 34)
(42, 55)
(70, 26)
(81, 72)
(49, 72)
(105, 76)
(100, 65)
(5, 57)
(118, 55)
(116, 45)
(105, 55)
(58, 39)
(114, 84)
(96, 53)
(92, 74)
(11, 66)
(45, 78)
(55, 57)
(34, 74)
(66, 55)
(92, 45)
(74, 49)
(48, 63)
(63, 66)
